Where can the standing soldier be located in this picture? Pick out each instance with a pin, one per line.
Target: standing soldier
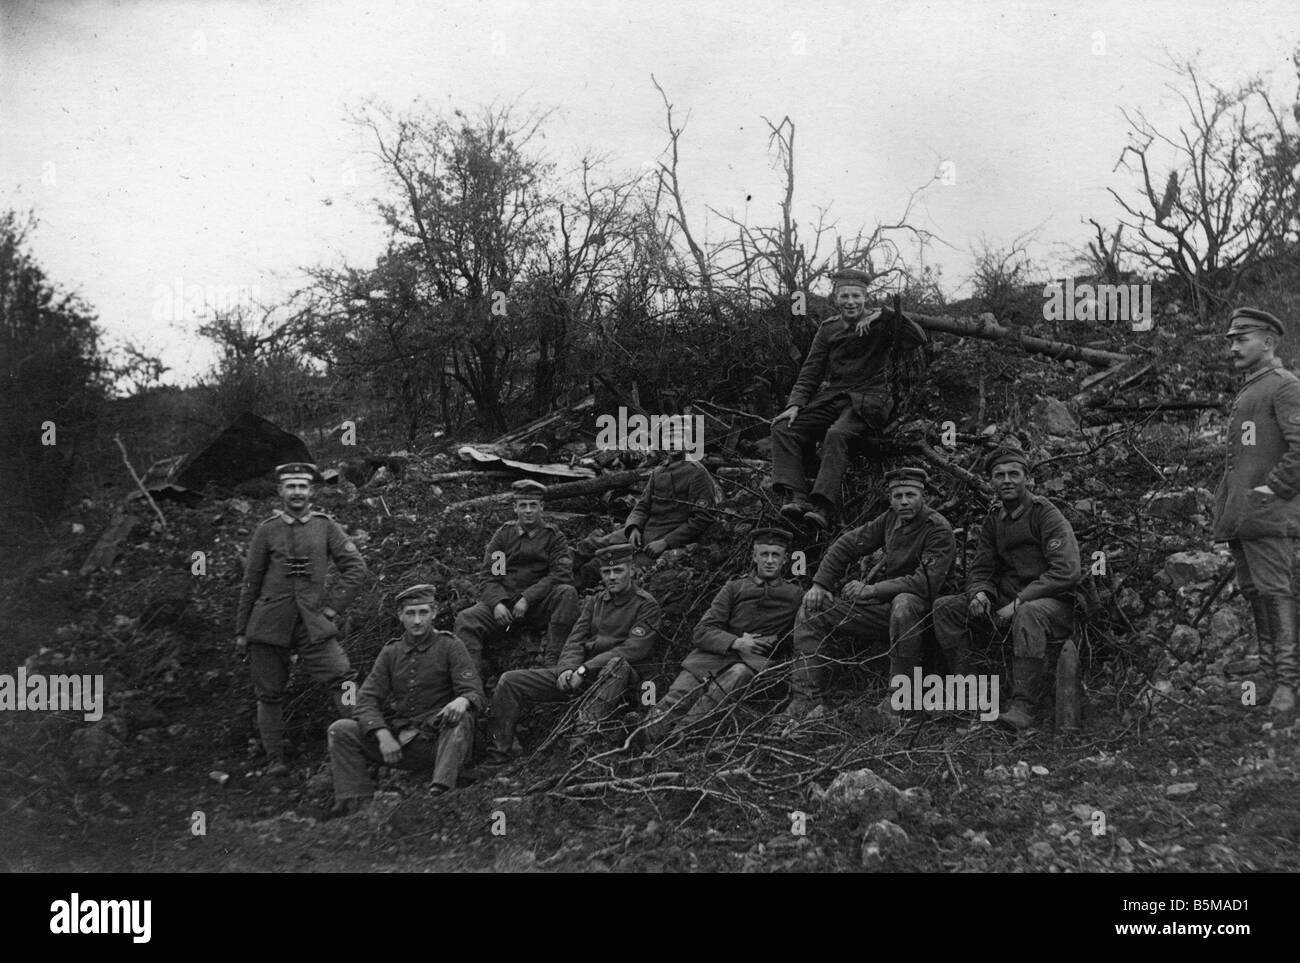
(1024, 574)
(1255, 508)
(919, 551)
(284, 606)
(842, 392)
(526, 581)
(414, 711)
(672, 512)
(749, 618)
(614, 634)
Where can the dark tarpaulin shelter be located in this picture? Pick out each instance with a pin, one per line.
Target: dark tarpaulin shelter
(249, 448)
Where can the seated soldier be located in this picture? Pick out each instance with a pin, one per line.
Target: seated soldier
(672, 512)
(1024, 573)
(748, 619)
(919, 551)
(525, 581)
(615, 632)
(843, 392)
(414, 711)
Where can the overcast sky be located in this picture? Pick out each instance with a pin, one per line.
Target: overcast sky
(207, 143)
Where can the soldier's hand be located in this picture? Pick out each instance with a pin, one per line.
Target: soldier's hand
(747, 644)
(241, 646)
(791, 413)
(816, 599)
(635, 538)
(562, 680)
(656, 548)
(454, 710)
(501, 614)
(520, 608)
(389, 747)
(1004, 614)
(856, 590)
(979, 605)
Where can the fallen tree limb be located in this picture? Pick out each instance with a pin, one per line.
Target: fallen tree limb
(992, 331)
(576, 489)
(943, 464)
(139, 483)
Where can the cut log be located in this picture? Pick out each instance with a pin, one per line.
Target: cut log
(992, 331)
(576, 489)
(541, 424)
(110, 543)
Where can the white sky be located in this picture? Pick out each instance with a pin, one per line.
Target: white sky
(159, 141)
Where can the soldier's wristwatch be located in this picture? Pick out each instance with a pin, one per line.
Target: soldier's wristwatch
(580, 670)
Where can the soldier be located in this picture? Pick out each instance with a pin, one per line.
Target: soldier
(525, 581)
(842, 392)
(919, 551)
(414, 711)
(748, 619)
(1255, 508)
(672, 512)
(284, 606)
(615, 632)
(1025, 570)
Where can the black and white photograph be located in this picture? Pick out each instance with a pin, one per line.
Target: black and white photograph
(575, 437)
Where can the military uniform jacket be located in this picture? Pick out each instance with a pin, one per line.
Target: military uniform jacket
(412, 681)
(1268, 403)
(624, 625)
(675, 504)
(1029, 553)
(743, 605)
(535, 564)
(843, 362)
(918, 554)
(284, 579)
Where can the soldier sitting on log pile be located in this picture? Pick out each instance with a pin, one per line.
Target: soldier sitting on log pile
(843, 392)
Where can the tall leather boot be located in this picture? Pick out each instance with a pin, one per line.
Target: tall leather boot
(270, 726)
(1259, 609)
(1282, 614)
(1027, 693)
(886, 708)
(958, 658)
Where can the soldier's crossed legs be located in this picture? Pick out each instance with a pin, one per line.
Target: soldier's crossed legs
(556, 613)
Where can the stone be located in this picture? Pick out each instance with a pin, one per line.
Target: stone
(1184, 568)
(1053, 417)
(1224, 627)
(1042, 852)
(1130, 600)
(1179, 504)
(864, 793)
(1180, 789)
(1185, 640)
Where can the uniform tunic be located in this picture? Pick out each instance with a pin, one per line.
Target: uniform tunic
(918, 558)
(674, 506)
(411, 682)
(284, 580)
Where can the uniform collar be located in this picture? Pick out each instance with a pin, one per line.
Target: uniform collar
(753, 577)
(917, 519)
(524, 533)
(289, 519)
(1271, 366)
(409, 641)
(1019, 509)
(606, 595)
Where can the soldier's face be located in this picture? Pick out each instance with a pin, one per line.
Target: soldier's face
(296, 494)
(768, 560)
(417, 619)
(616, 578)
(1010, 481)
(906, 501)
(1249, 348)
(850, 301)
(528, 511)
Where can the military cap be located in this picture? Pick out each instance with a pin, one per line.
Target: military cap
(615, 554)
(527, 488)
(851, 276)
(1004, 456)
(301, 470)
(907, 476)
(771, 536)
(1254, 319)
(417, 595)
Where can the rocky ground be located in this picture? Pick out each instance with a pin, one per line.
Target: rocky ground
(1174, 769)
